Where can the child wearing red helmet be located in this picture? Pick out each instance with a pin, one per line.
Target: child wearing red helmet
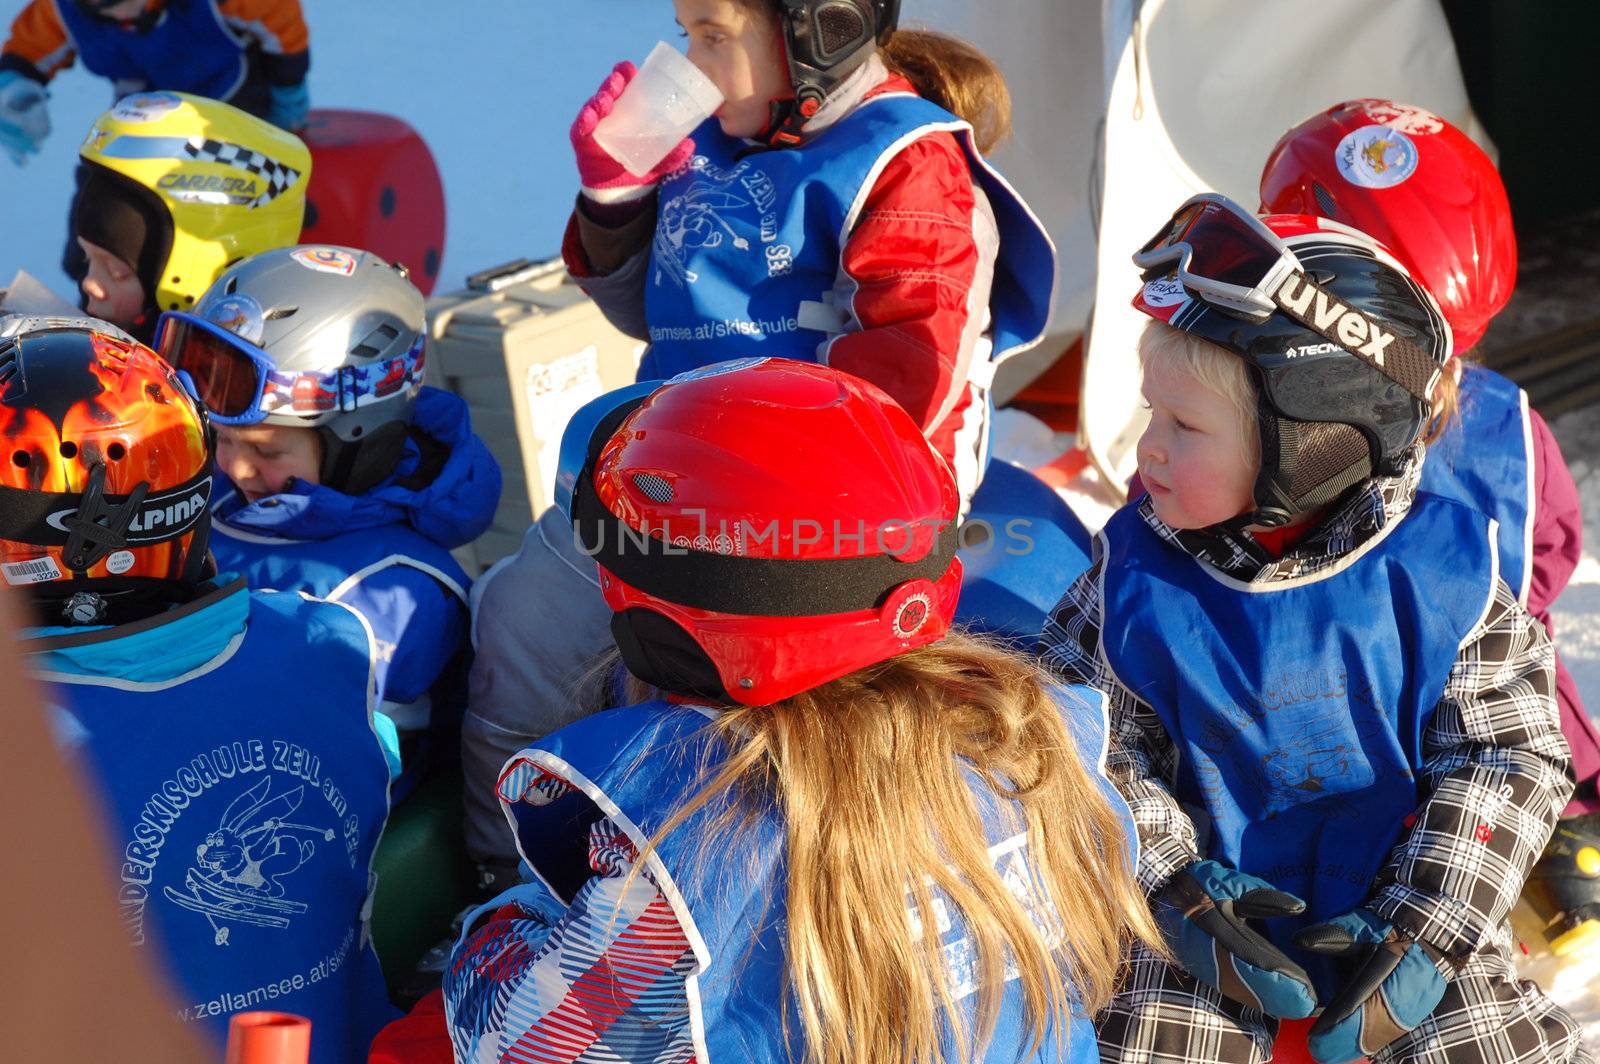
(1420, 186)
(839, 833)
(836, 209)
(1331, 715)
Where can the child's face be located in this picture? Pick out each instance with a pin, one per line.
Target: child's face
(112, 290)
(1193, 458)
(739, 47)
(260, 459)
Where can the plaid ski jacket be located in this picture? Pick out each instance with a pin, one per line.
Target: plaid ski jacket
(1495, 733)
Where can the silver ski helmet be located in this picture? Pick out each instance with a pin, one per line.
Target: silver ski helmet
(318, 337)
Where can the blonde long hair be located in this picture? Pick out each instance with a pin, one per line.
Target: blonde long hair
(872, 775)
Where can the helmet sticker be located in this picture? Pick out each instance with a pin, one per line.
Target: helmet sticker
(325, 260)
(717, 369)
(1164, 292)
(32, 571)
(1376, 157)
(240, 314)
(1407, 119)
(119, 562)
(912, 613)
(145, 107)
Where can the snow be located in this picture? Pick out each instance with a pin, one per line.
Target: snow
(1577, 612)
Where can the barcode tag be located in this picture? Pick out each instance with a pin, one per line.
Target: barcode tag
(33, 571)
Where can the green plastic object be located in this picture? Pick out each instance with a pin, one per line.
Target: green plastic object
(425, 876)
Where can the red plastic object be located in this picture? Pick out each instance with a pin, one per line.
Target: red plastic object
(268, 1038)
(1052, 397)
(421, 1037)
(375, 186)
(1290, 1048)
(1417, 184)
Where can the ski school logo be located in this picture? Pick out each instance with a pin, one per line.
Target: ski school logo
(239, 314)
(325, 260)
(1376, 157)
(238, 871)
(713, 208)
(144, 107)
(160, 517)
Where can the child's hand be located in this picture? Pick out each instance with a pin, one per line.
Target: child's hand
(597, 170)
(1202, 912)
(1395, 985)
(24, 118)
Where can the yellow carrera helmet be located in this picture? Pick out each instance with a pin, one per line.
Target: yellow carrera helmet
(182, 186)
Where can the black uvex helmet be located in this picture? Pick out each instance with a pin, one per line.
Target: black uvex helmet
(1344, 348)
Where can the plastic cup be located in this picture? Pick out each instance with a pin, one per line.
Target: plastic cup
(268, 1038)
(664, 103)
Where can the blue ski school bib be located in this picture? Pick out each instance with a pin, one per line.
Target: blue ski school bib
(1485, 460)
(188, 50)
(748, 243)
(635, 764)
(1298, 707)
(245, 801)
(331, 568)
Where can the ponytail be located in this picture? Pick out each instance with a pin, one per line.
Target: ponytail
(956, 76)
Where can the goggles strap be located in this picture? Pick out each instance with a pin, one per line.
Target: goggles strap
(1365, 337)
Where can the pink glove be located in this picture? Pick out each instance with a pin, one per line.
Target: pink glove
(597, 170)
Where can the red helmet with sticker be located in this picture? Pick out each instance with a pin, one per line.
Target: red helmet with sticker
(762, 527)
(1418, 185)
(105, 475)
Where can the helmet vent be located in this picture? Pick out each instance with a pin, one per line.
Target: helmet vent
(8, 363)
(277, 313)
(1324, 200)
(840, 27)
(655, 488)
(376, 341)
(231, 286)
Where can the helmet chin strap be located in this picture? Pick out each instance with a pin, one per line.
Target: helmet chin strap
(789, 115)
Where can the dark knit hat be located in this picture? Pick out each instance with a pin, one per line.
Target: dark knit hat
(126, 219)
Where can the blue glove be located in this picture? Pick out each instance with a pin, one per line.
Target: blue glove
(1395, 985)
(24, 119)
(289, 107)
(1202, 912)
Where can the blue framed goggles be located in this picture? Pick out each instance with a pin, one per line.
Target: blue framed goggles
(240, 384)
(577, 439)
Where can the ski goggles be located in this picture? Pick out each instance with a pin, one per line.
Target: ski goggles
(1222, 253)
(240, 384)
(1229, 258)
(579, 445)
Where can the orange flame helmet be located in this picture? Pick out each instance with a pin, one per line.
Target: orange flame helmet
(105, 472)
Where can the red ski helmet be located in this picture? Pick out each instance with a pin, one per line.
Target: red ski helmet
(761, 527)
(1415, 183)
